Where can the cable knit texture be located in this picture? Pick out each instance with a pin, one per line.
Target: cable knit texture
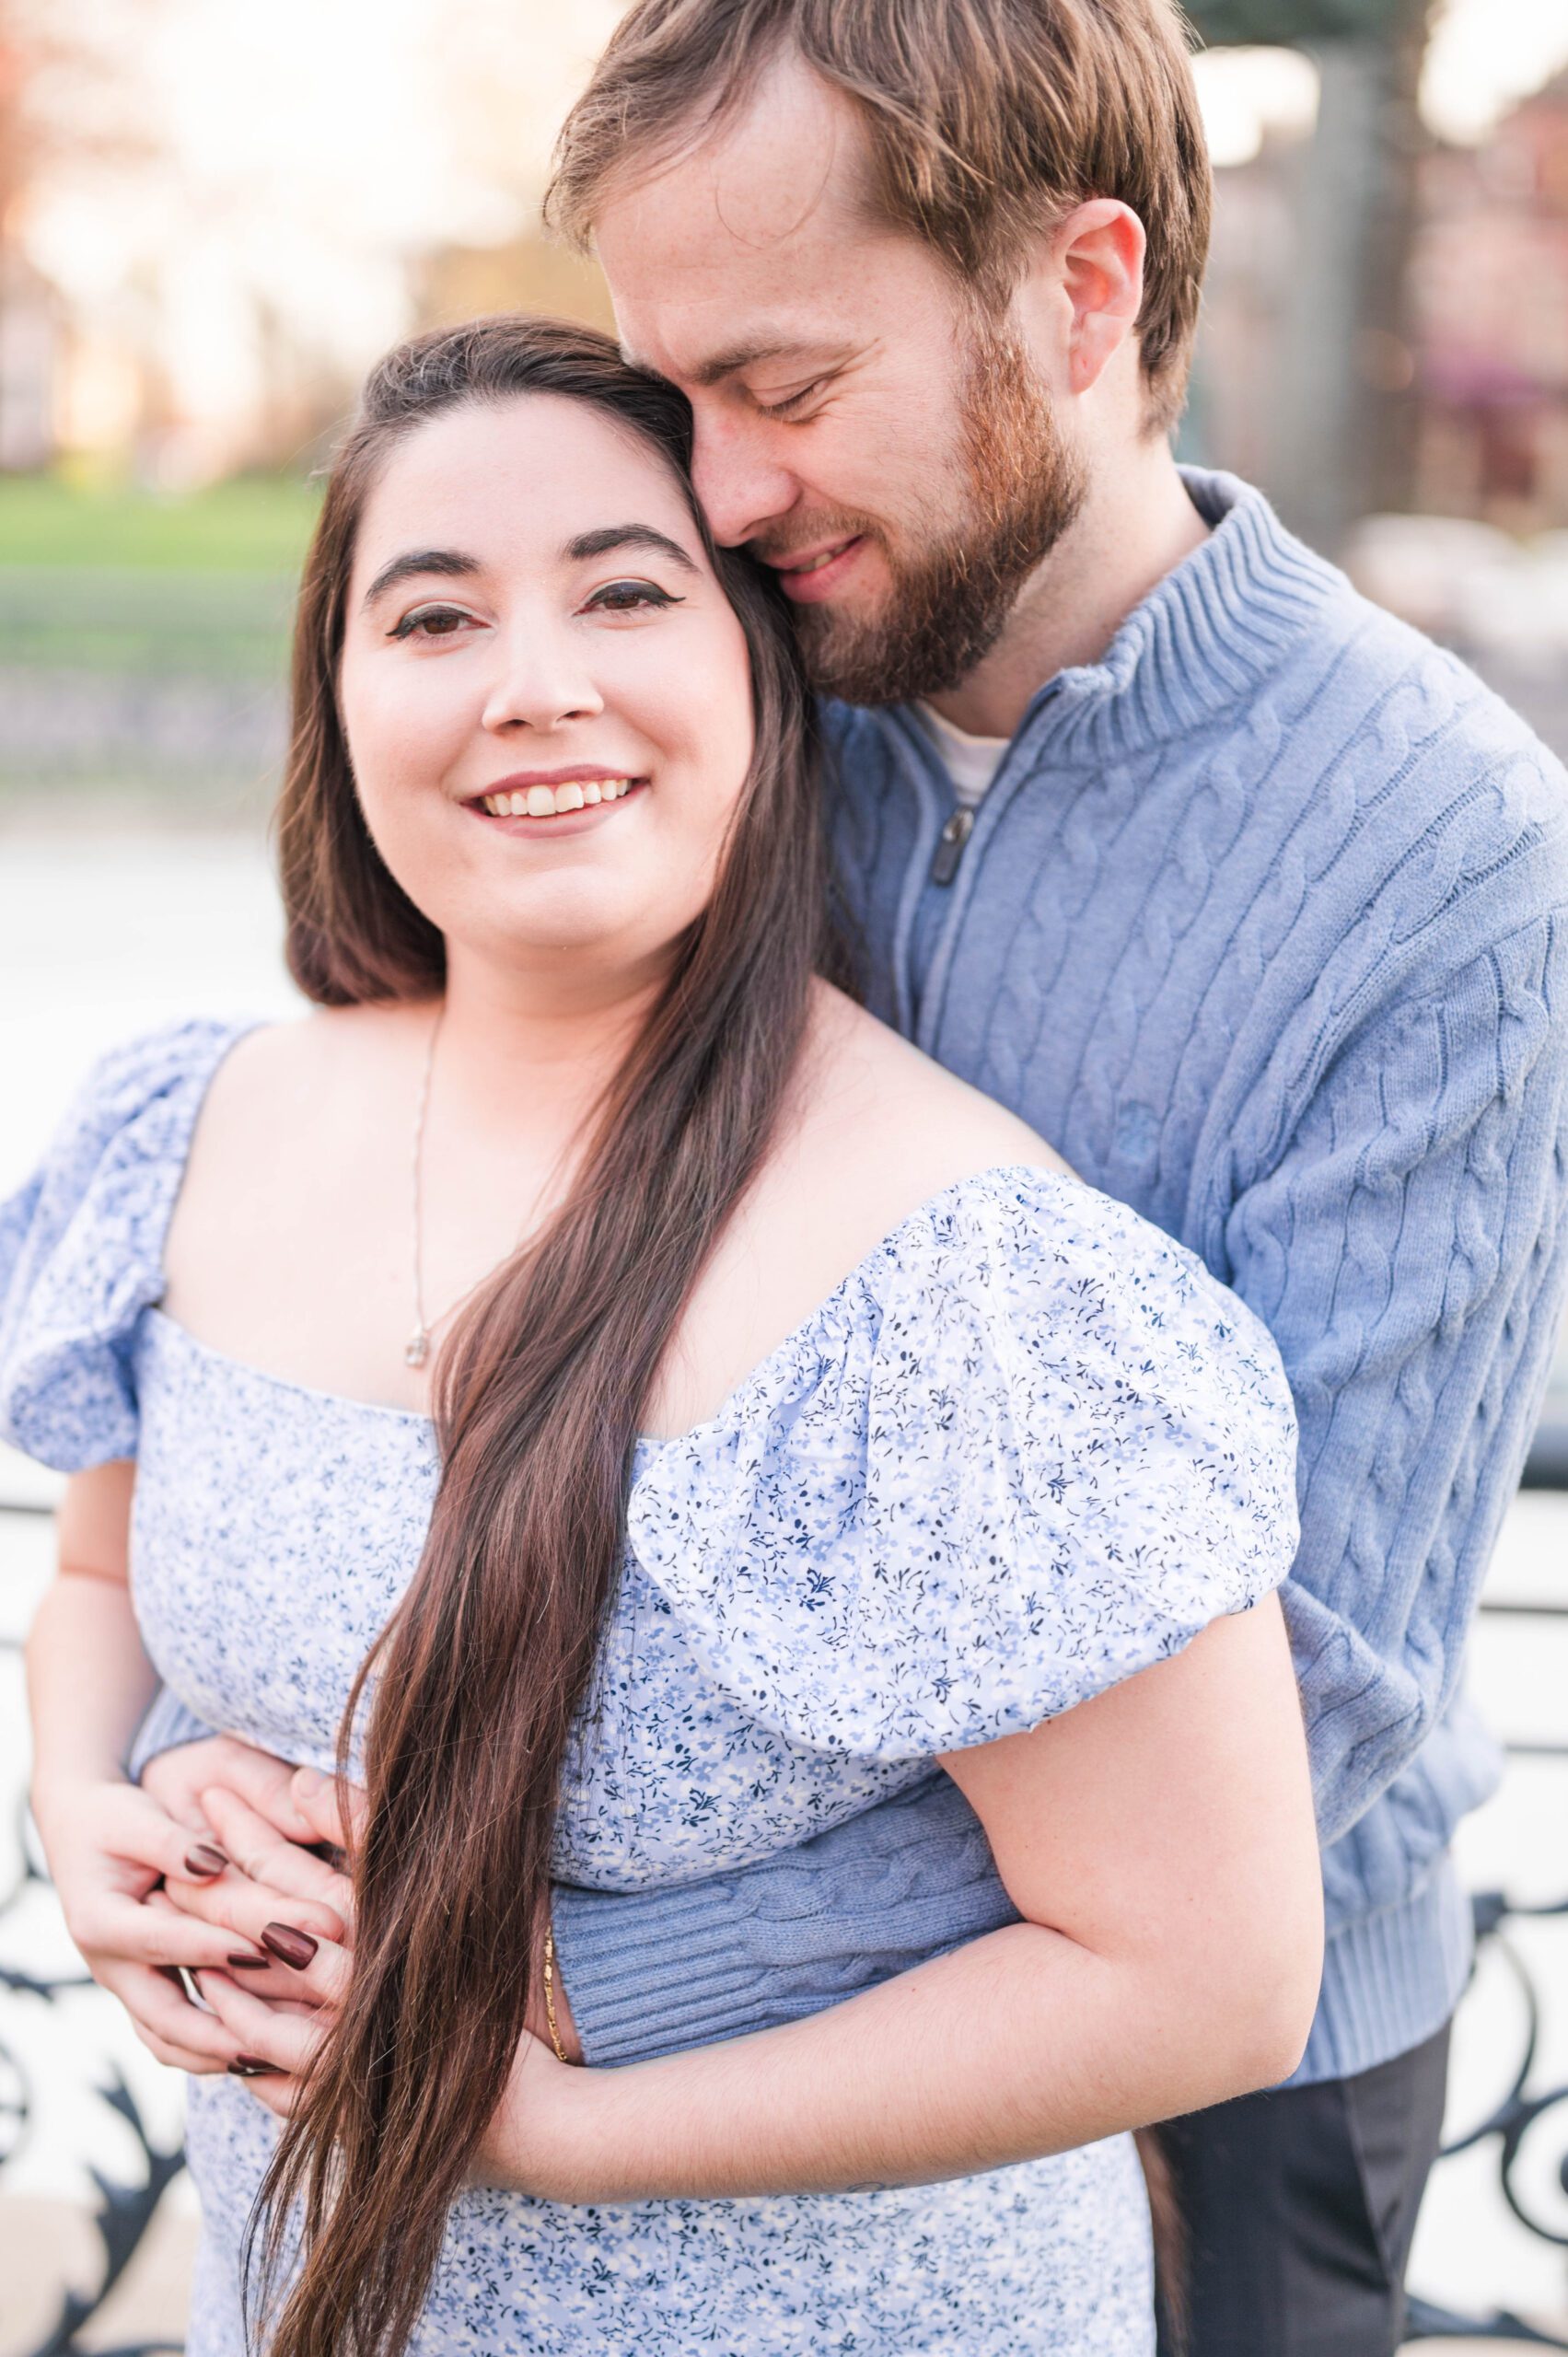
(1262, 923)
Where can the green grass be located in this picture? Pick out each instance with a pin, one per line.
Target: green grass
(144, 621)
(256, 524)
(124, 583)
(144, 641)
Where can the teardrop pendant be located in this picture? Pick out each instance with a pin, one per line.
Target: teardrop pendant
(417, 1348)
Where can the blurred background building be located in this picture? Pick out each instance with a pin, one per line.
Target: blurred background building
(211, 218)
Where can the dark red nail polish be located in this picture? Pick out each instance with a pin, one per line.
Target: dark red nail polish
(249, 2066)
(203, 1859)
(290, 1946)
(249, 1963)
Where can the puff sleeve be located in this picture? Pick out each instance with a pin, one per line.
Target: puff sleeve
(81, 1248)
(1030, 1447)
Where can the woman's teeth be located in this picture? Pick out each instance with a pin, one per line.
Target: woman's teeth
(544, 801)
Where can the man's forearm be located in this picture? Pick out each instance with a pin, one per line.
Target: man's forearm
(660, 1971)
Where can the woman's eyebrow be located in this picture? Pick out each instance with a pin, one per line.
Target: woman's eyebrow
(451, 562)
(629, 535)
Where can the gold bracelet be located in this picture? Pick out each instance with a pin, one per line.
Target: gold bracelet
(550, 1992)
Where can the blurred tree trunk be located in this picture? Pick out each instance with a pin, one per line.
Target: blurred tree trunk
(1384, 355)
(1343, 431)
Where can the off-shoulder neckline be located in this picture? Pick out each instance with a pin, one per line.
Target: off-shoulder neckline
(989, 1178)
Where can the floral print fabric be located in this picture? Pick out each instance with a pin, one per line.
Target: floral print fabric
(1026, 1448)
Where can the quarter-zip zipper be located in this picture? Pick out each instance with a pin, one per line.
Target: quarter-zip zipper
(918, 1012)
(950, 846)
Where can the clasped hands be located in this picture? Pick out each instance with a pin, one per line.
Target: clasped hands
(252, 1907)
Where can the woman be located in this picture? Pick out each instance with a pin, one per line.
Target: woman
(645, 1412)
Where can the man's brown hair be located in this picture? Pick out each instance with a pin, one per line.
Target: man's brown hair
(985, 121)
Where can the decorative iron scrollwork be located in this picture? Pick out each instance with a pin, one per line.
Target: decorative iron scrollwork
(125, 2212)
(1521, 2115)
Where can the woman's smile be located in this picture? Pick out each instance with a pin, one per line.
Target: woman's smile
(536, 802)
(500, 660)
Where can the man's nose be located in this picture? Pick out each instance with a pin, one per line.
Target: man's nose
(740, 486)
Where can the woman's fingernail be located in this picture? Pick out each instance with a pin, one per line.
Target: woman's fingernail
(203, 1859)
(290, 1946)
(249, 2066)
(249, 1963)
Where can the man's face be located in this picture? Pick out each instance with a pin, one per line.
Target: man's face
(861, 425)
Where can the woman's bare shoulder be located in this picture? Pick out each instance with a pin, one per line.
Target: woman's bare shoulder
(877, 1132)
(901, 1121)
(272, 1064)
(281, 1077)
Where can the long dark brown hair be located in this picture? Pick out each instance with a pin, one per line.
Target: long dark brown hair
(486, 1668)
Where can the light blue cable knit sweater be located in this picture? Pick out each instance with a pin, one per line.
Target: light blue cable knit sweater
(1264, 924)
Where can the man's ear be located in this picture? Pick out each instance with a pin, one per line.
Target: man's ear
(1087, 288)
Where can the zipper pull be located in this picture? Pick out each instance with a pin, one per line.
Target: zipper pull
(950, 846)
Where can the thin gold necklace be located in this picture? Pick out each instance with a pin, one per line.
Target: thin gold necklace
(416, 1350)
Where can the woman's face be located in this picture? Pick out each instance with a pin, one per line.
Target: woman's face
(546, 695)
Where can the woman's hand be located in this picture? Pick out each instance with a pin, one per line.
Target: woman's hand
(285, 1901)
(299, 1911)
(177, 1780)
(109, 1846)
(535, 2142)
(276, 1903)
(552, 2130)
(274, 2040)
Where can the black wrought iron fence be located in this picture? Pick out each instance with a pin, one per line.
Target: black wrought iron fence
(1524, 2118)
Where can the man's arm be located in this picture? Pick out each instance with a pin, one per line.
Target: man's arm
(1406, 1246)
(656, 1972)
(1405, 1243)
(1406, 1240)
(167, 1725)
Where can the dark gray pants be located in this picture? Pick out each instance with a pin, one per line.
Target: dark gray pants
(1297, 2210)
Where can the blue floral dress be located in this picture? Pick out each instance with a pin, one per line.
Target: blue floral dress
(1027, 1447)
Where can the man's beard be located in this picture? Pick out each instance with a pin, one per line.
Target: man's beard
(948, 601)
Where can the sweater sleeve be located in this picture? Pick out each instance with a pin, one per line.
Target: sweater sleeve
(168, 1723)
(1406, 1249)
(652, 1972)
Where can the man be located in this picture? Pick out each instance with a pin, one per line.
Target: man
(1243, 895)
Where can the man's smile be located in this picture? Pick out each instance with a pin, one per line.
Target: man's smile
(817, 573)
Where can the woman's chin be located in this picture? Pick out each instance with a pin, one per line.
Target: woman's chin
(609, 937)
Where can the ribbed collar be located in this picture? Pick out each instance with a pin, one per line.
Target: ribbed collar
(1209, 633)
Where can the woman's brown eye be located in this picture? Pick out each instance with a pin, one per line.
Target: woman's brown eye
(435, 622)
(626, 596)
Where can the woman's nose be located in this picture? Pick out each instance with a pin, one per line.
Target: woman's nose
(541, 682)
